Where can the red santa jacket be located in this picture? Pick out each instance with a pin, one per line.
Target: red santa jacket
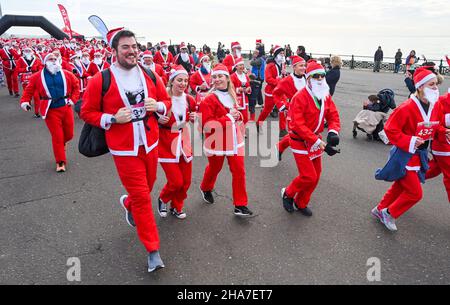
(441, 146)
(306, 122)
(404, 126)
(175, 137)
(272, 75)
(94, 68)
(223, 133)
(37, 83)
(9, 58)
(286, 89)
(123, 139)
(165, 63)
(158, 69)
(229, 61)
(242, 96)
(197, 79)
(25, 70)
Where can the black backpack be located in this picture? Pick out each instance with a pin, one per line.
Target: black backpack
(92, 141)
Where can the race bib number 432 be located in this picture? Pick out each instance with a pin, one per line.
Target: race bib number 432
(426, 131)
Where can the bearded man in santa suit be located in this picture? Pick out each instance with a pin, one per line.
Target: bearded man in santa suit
(308, 111)
(147, 62)
(200, 81)
(163, 57)
(230, 60)
(275, 71)
(128, 113)
(97, 65)
(285, 91)
(184, 59)
(411, 128)
(27, 65)
(59, 91)
(9, 56)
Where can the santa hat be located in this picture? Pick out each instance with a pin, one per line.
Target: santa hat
(48, 56)
(258, 41)
(297, 60)
(162, 44)
(98, 52)
(423, 75)
(27, 49)
(111, 34)
(147, 54)
(203, 57)
(314, 67)
(183, 46)
(238, 62)
(220, 69)
(177, 70)
(72, 54)
(235, 45)
(277, 50)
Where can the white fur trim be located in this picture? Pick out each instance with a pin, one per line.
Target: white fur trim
(220, 72)
(412, 145)
(299, 152)
(333, 131)
(413, 168)
(24, 106)
(321, 71)
(176, 73)
(425, 80)
(162, 108)
(316, 145)
(231, 118)
(105, 121)
(447, 120)
(441, 153)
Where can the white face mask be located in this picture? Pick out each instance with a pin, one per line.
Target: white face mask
(207, 66)
(164, 51)
(85, 60)
(320, 88)
(280, 59)
(431, 95)
(238, 53)
(53, 67)
(185, 57)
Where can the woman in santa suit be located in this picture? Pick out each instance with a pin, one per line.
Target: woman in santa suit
(200, 81)
(410, 128)
(58, 90)
(308, 111)
(98, 64)
(241, 83)
(285, 91)
(221, 123)
(27, 65)
(175, 151)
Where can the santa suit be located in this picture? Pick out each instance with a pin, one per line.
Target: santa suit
(164, 61)
(134, 145)
(9, 64)
(224, 139)
(229, 61)
(195, 81)
(94, 68)
(82, 74)
(175, 152)
(273, 77)
(158, 69)
(306, 123)
(243, 82)
(25, 70)
(282, 94)
(177, 60)
(55, 110)
(441, 147)
(402, 130)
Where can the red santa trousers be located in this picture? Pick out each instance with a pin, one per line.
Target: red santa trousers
(444, 164)
(138, 175)
(179, 177)
(303, 186)
(36, 99)
(402, 195)
(11, 80)
(237, 168)
(269, 103)
(60, 123)
(284, 144)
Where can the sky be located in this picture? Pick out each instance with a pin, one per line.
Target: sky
(323, 26)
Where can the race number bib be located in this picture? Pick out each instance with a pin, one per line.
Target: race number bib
(313, 153)
(138, 112)
(426, 131)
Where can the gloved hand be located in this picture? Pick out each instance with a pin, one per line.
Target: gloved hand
(331, 150)
(333, 139)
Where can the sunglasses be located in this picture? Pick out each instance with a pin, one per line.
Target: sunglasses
(317, 76)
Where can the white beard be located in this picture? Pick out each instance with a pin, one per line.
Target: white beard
(431, 95)
(185, 57)
(164, 51)
(151, 67)
(28, 57)
(53, 68)
(238, 53)
(207, 66)
(98, 61)
(320, 89)
(86, 61)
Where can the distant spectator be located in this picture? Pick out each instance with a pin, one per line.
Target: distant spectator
(409, 81)
(260, 48)
(258, 66)
(398, 61)
(378, 58)
(301, 51)
(334, 74)
(411, 60)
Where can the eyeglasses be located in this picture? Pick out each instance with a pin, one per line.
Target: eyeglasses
(317, 76)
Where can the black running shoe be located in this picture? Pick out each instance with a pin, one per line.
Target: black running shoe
(243, 212)
(306, 211)
(162, 208)
(207, 197)
(288, 203)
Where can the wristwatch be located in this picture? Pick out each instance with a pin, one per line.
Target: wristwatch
(113, 120)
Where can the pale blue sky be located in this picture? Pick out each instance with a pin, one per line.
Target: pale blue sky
(339, 26)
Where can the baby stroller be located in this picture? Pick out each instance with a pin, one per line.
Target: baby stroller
(374, 114)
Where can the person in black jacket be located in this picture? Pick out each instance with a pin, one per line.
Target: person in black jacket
(378, 58)
(334, 74)
(398, 61)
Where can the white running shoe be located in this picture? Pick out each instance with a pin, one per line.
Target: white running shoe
(388, 220)
(376, 213)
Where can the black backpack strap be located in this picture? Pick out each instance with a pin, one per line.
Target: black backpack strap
(150, 73)
(106, 81)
